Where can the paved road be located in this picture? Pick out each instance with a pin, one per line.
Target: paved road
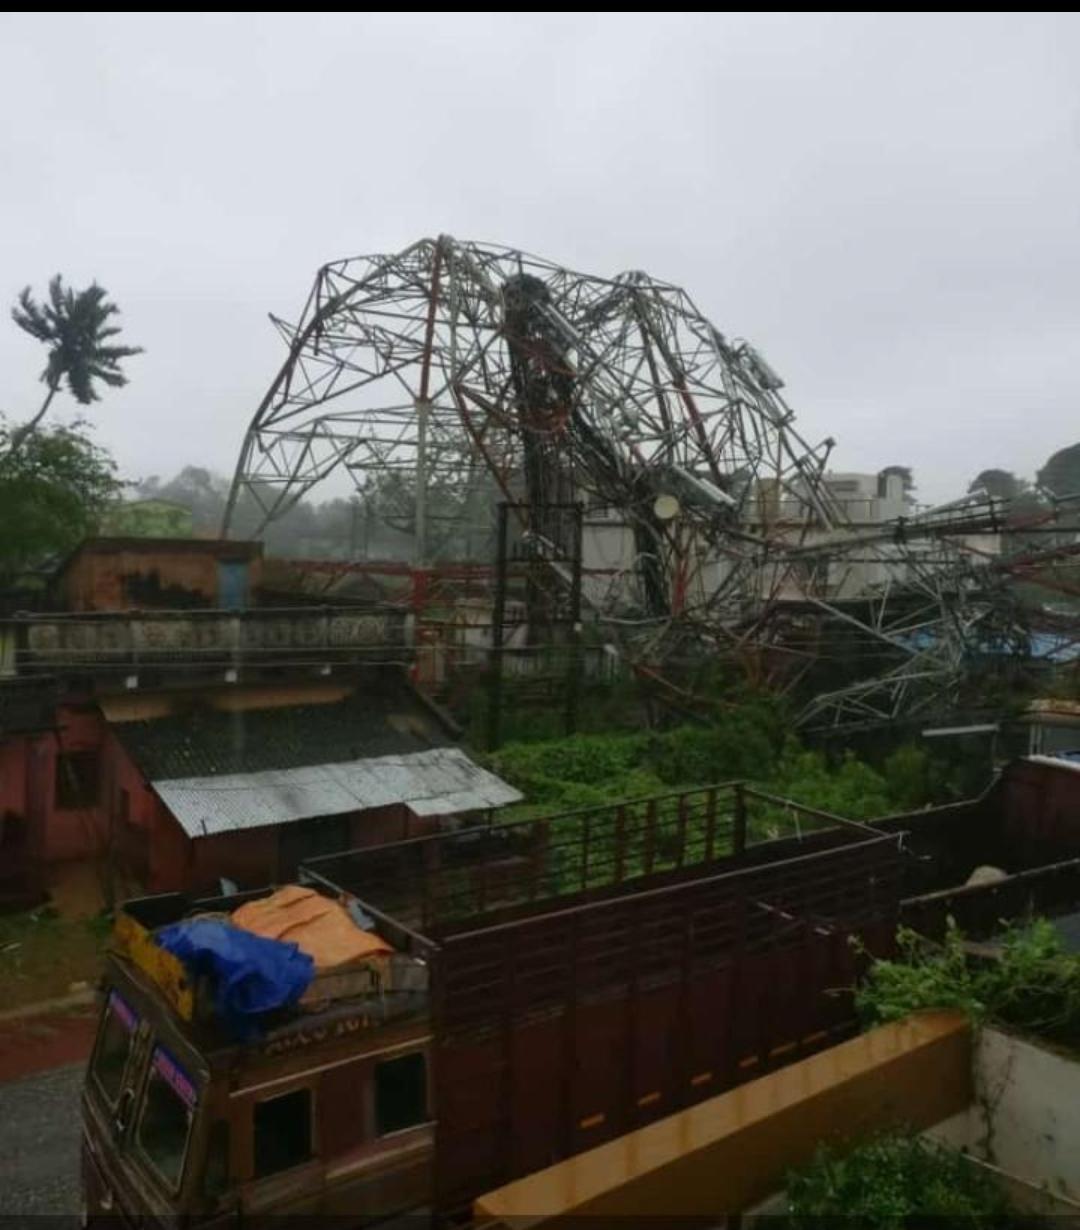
(39, 1142)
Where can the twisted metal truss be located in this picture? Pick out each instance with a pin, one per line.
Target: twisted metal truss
(453, 375)
(453, 363)
(955, 614)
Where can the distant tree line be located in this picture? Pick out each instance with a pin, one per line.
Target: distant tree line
(376, 523)
(1058, 478)
(57, 485)
(330, 529)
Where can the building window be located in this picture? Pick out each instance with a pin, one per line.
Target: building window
(77, 779)
(400, 1094)
(282, 1132)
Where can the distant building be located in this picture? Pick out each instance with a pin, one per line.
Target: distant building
(118, 574)
(869, 499)
(860, 499)
(149, 519)
(1053, 728)
(160, 728)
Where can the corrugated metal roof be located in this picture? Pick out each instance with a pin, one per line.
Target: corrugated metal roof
(436, 782)
(383, 719)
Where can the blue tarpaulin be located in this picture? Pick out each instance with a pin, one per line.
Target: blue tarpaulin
(251, 975)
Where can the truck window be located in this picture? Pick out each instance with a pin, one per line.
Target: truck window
(167, 1112)
(282, 1132)
(115, 1037)
(400, 1093)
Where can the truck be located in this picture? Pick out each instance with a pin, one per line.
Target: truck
(549, 985)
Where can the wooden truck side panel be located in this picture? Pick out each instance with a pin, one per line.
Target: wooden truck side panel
(556, 1033)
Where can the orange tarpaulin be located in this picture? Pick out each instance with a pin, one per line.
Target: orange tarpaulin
(320, 927)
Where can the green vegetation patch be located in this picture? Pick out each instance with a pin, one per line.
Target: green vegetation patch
(1033, 986)
(893, 1181)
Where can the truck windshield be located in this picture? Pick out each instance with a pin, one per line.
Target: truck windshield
(115, 1038)
(165, 1119)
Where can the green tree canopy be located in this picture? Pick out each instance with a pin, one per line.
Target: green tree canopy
(1000, 484)
(1061, 473)
(54, 491)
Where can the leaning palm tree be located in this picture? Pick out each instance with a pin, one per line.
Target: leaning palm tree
(74, 325)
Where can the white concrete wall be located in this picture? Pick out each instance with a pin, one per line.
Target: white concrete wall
(608, 557)
(1025, 1126)
(1029, 1098)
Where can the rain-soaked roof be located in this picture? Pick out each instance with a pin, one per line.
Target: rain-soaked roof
(387, 720)
(437, 782)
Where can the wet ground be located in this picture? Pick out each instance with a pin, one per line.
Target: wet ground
(39, 1142)
(31, 1044)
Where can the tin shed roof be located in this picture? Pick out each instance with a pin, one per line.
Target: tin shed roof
(436, 782)
(218, 771)
(205, 742)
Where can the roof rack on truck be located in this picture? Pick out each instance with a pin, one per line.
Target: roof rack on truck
(349, 962)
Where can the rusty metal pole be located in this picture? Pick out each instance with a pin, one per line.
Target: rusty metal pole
(422, 404)
(420, 534)
(498, 615)
(573, 672)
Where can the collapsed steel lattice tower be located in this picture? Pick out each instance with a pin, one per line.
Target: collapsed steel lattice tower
(453, 375)
(453, 366)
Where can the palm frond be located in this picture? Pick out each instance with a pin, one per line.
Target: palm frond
(30, 317)
(75, 325)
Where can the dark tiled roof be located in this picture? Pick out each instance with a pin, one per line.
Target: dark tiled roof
(208, 742)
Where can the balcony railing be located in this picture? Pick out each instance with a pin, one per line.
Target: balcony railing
(127, 641)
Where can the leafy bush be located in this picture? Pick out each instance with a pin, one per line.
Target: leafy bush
(587, 770)
(527, 716)
(54, 490)
(890, 1182)
(921, 977)
(1034, 986)
(741, 743)
(736, 746)
(910, 776)
(853, 789)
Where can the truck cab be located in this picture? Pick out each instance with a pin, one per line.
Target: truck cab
(326, 1112)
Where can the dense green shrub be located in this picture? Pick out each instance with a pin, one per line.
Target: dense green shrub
(1034, 986)
(747, 744)
(893, 1181)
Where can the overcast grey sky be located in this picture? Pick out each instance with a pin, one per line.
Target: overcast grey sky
(887, 205)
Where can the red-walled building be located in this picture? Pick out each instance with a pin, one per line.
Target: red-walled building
(121, 574)
(176, 790)
(162, 729)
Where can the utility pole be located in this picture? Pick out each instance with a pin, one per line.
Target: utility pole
(423, 410)
(573, 672)
(353, 537)
(498, 616)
